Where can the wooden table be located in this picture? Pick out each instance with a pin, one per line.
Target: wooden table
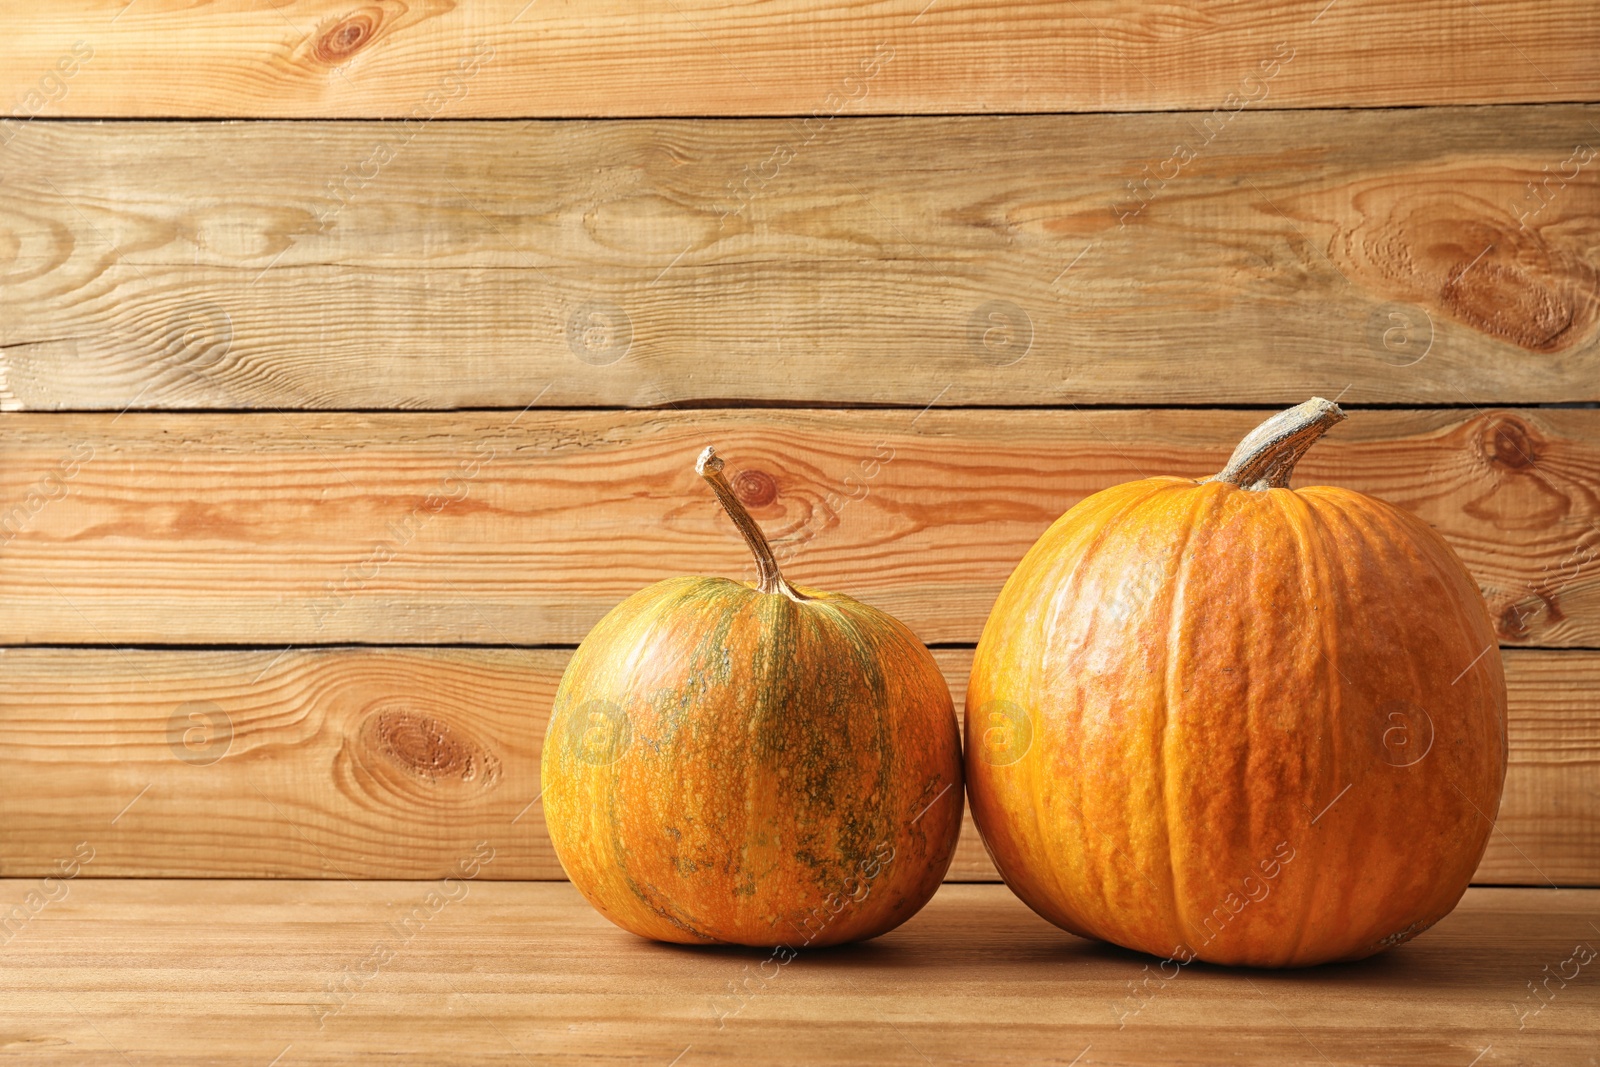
(131, 971)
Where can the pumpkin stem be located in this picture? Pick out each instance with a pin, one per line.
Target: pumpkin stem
(1267, 455)
(768, 578)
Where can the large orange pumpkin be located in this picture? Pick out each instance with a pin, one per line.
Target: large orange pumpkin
(1238, 722)
(754, 764)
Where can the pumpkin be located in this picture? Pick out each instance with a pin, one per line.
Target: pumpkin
(752, 763)
(1233, 721)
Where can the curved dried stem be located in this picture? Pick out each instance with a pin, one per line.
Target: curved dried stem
(768, 578)
(1266, 457)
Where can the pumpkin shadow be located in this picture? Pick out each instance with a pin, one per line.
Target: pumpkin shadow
(1014, 937)
(912, 947)
(1370, 967)
(1416, 966)
(855, 954)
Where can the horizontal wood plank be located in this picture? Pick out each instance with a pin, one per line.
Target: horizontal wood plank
(393, 763)
(1016, 260)
(790, 57)
(208, 972)
(508, 528)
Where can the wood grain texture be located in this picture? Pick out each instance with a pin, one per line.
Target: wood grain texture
(393, 763)
(792, 57)
(1007, 260)
(347, 763)
(209, 972)
(506, 528)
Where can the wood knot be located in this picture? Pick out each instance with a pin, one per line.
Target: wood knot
(428, 747)
(755, 489)
(1512, 623)
(1510, 444)
(347, 36)
(1504, 301)
(1443, 240)
(1516, 620)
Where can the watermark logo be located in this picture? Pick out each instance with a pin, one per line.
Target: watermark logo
(1004, 732)
(1400, 334)
(854, 889)
(752, 181)
(1000, 333)
(398, 534)
(855, 486)
(1153, 177)
(599, 333)
(44, 492)
(398, 933)
(199, 733)
(1405, 733)
(598, 733)
(50, 88)
(1538, 197)
(1541, 994)
(1250, 890)
(199, 336)
(50, 889)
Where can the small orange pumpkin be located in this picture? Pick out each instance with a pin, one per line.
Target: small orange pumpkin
(753, 764)
(1238, 722)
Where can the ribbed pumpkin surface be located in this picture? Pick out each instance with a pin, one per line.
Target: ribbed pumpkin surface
(1253, 726)
(728, 765)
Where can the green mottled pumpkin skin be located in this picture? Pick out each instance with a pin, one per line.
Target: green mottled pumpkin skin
(730, 766)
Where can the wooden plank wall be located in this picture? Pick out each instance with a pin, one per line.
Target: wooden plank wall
(1016, 260)
(520, 58)
(382, 762)
(324, 441)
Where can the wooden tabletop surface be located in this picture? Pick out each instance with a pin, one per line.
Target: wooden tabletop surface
(132, 971)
